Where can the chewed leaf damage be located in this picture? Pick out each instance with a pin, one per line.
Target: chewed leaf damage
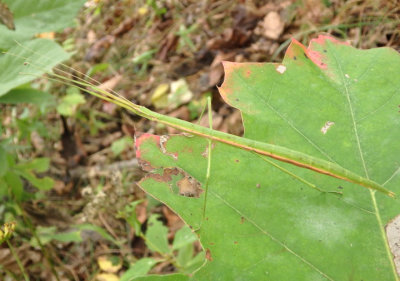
(393, 237)
(140, 139)
(179, 181)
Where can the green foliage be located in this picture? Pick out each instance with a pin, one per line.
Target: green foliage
(171, 277)
(140, 268)
(181, 253)
(75, 234)
(27, 95)
(184, 39)
(37, 16)
(142, 61)
(68, 104)
(156, 236)
(22, 178)
(119, 146)
(15, 72)
(30, 18)
(159, 11)
(265, 220)
(12, 173)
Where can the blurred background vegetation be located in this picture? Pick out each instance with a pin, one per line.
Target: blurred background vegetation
(69, 205)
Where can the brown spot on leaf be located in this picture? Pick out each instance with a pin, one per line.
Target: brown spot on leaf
(242, 219)
(145, 165)
(163, 141)
(186, 185)
(189, 187)
(166, 176)
(327, 126)
(208, 255)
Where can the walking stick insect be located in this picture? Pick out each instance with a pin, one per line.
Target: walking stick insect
(263, 149)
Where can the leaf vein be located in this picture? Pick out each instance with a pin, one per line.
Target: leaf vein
(273, 109)
(273, 238)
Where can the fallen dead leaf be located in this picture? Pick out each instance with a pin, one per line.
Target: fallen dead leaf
(110, 83)
(272, 26)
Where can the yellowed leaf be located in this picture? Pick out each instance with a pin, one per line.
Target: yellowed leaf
(108, 265)
(159, 98)
(107, 277)
(143, 10)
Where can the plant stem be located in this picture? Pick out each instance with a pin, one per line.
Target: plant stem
(210, 122)
(21, 267)
(43, 249)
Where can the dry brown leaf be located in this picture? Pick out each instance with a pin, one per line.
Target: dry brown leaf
(110, 83)
(272, 25)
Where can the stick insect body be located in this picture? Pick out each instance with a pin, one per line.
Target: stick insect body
(264, 149)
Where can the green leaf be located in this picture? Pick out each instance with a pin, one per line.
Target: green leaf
(39, 165)
(37, 16)
(98, 229)
(183, 237)
(44, 183)
(3, 161)
(33, 96)
(13, 70)
(129, 214)
(156, 235)
(3, 188)
(119, 145)
(100, 67)
(171, 277)
(140, 268)
(70, 102)
(185, 254)
(264, 219)
(15, 184)
(48, 234)
(191, 264)
(183, 242)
